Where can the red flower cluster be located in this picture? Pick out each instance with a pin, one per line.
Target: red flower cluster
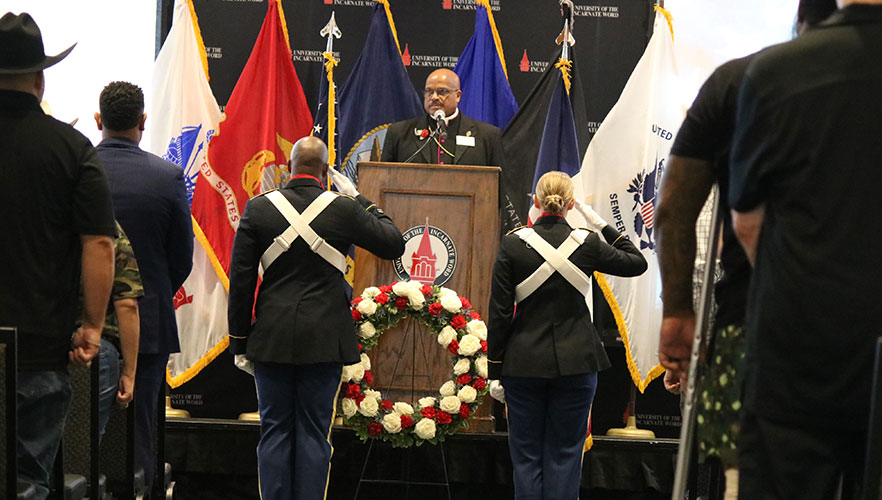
(484, 345)
(352, 391)
(375, 429)
(464, 410)
(387, 405)
(428, 412)
(464, 379)
(356, 300)
(381, 299)
(475, 315)
(401, 303)
(478, 383)
(359, 399)
(443, 417)
(406, 421)
(427, 290)
(356, 316)
(465, 303)
(453, 347)
(458, 322)
(368, 378)
(435, 308)
(424, 133)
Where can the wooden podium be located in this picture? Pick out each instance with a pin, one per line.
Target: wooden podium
(461, 201)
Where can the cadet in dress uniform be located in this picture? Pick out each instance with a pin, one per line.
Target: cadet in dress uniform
(547, 352)
(302, 333)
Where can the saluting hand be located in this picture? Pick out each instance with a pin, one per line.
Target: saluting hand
(590, 216)
(342, 183)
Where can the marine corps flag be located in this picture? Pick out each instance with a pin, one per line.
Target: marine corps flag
(621, 172)
(483, 78)
(266, 114)
(185, 115)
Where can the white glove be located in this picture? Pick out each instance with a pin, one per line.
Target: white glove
(497, 392)
(590, 216)
(342, 183)
(244, 364)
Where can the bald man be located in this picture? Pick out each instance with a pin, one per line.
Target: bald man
(443, 135)
(302, 333)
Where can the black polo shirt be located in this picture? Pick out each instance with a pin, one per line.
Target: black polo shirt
(808, 145)
(53, 190)
(706, 134)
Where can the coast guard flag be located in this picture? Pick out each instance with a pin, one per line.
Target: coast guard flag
(377, 92)
(621, 173)
(184, 116)
(483, 78)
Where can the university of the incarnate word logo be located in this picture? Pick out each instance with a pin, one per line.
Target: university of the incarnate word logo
(525, 63)
(447, 4)
(429, 256)
(184, 150)
(645, 189)
(405, 56)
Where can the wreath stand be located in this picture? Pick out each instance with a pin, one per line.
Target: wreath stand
(412, 330)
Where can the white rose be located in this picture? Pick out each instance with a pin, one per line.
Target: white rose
(392, 423)
(401, 288)
(367, 330)
(357, 373)
(365, 361)
(369, 407)
(448, 389)
(349, 407)
(467, 394)
(367, 307)
(451, 303)
(462, 366)
(416, 299)
(481, 366)
(425, 428)
(402, 409)
(427, 402)
(370, 293)
(450, 404)
(372, 394)
(346, 374)
(477, 328)
(446, 292)
(447, 334)
(469, 344)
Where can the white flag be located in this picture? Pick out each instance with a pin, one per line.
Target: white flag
(620, 174)
(184, 115)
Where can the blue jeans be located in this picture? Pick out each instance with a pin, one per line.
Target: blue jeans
(108, 382)
(43, 402)
(547, 426)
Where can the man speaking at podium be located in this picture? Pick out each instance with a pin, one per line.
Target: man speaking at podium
(444, 135)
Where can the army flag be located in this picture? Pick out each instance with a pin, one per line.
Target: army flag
(184, 116)
(377, 92)
(483, 77)
(621, 173)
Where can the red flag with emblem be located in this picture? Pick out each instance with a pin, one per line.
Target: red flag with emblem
(267, 112)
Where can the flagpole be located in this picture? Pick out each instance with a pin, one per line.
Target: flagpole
(331, 31)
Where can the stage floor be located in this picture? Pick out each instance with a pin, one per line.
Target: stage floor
(215, 459)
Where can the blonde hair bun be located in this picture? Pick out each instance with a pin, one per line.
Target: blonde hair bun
(555, 191)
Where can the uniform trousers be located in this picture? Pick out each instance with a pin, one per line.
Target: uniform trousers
(547, 426)
(297, 405)
(149, 384)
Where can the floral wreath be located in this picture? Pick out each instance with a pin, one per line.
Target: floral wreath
(459, 329)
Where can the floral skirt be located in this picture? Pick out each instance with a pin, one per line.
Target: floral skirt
(719, 387)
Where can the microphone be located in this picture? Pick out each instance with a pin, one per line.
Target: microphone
(439, 117)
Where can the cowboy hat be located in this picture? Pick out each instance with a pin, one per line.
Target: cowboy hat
(21, 46)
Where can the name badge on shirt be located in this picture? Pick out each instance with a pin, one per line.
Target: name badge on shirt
(462, 140)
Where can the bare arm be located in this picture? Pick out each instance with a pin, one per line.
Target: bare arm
(129, 333)
(747, 227)
(97, 278)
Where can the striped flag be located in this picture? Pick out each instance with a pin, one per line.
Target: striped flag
(184, 116)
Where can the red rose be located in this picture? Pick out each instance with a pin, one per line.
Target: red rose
(375, 429)
(386, 404)
(359, 399)
(464, 379)
(478, 383)
(443, 417)
(356, 300)
(424, 133)
(458, 322)
(352, 391)
(360, 347)
(381, 299)
(475, 315)
(401, 303)
(453, 347)
(406, 421)
(465, 303)
(484, 345)
(428, 412)
(356, 316)
(435, 308)
(427, 290)
(464, 410)
(368, 378)
(385, 288)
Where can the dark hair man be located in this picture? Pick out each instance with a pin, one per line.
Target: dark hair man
(803, 187)
(60, 230)
(461, 140)
(302, 333)
(150, 201)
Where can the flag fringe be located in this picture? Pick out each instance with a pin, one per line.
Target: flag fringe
(198, 33)
(623, 331)
(332, 99)
(215, 263)
(284, 26)
(496, 38)
(565, 66)
(385, 4)
(668, 17)
(197, 367)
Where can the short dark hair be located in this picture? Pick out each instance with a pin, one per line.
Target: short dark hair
(121, 105)
(811, 12)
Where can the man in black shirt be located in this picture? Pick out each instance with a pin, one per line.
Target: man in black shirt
(803, 186)
(59, 226)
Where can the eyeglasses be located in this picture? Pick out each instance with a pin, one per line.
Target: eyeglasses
(442, 93)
